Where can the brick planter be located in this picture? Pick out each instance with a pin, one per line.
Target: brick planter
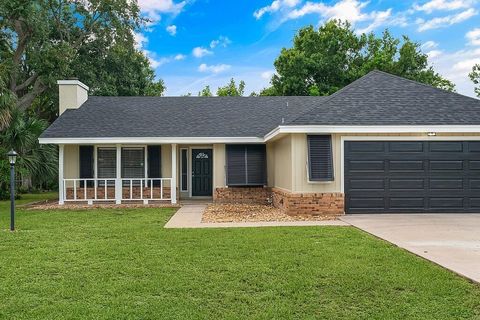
(247, 195)
(322, 204)
(325, 204)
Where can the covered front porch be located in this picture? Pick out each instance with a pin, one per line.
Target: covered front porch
(120, 173)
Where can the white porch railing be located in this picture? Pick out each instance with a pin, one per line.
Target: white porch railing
(139, 189)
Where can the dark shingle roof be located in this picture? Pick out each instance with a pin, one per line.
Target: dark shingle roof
(375, 99)
(380, 98)
(106, 117)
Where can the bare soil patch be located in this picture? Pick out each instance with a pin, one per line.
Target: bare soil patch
(252, 213)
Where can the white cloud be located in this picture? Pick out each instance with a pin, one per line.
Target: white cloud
(434, 53)
(473, 37)
(154, 8)
(275, 6)
(199, 52)
(449, 20)
(217, 68)
(140, 40)
(445, 5)
(429, 45)
(221, 41)
(456, 65)
(172, 29)
(351, 10)
(267, 75)
(179, 57)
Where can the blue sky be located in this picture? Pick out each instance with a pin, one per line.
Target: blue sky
(193, 43)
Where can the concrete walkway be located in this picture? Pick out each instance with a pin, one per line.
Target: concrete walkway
(190, 216)
(450, 240)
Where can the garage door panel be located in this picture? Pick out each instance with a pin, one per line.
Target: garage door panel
(407, 165)
(407, 203)
(474, 165)
(439, 165)
(406, 146)
(451, 184)
(446, 146)
(372, 184)
(407, 184)
(366, 146)
(474, 146)
(446, 202)
(367, 202)
(412, 176)
(474, 203)
(474, 184)
(366, 165)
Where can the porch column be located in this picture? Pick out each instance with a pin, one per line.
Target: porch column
(173, 187)
(118, 181)
(61, 195)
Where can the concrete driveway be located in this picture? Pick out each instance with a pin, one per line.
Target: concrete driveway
(450, 240)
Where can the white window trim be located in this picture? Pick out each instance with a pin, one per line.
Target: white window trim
(392, 138)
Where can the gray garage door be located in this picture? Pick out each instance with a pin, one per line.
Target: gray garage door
(412, 176)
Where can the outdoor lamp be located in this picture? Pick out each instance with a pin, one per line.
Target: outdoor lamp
(12, 157)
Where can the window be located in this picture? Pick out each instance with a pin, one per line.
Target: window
(246, 165)
(184, 169)
(320, 164)
(133, 163)
(106, 163)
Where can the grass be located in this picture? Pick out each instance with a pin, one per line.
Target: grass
(121, 264)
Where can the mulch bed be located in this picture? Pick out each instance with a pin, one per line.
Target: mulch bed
(252, 213)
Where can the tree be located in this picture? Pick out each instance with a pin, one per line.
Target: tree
(205, 92)
(231, 89)
(475, 77)
(46, 40)
(325, 60)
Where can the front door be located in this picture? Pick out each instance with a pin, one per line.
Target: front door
(202, 172)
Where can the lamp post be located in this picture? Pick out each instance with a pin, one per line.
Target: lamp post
(12, 157)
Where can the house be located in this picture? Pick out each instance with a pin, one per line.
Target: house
(381, 144)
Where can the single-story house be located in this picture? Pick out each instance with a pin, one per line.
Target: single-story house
(381, 144)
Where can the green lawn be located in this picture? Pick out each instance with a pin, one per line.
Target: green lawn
(121, 264)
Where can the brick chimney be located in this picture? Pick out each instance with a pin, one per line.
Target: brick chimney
(71, 94)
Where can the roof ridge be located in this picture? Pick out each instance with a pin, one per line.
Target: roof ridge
(333, 95)
(422, 84)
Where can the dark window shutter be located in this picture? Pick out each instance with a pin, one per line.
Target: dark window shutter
(320, 163)
(246, 165)
(86, 163)
(236, 167)
(184, 169)
(256, 164)
(155, 163)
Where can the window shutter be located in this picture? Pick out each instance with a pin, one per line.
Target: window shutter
(246, 165)
(154, 162)
(256, 164)
(107, 163)
(320, 164)
(236, 166)
(86, 164)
